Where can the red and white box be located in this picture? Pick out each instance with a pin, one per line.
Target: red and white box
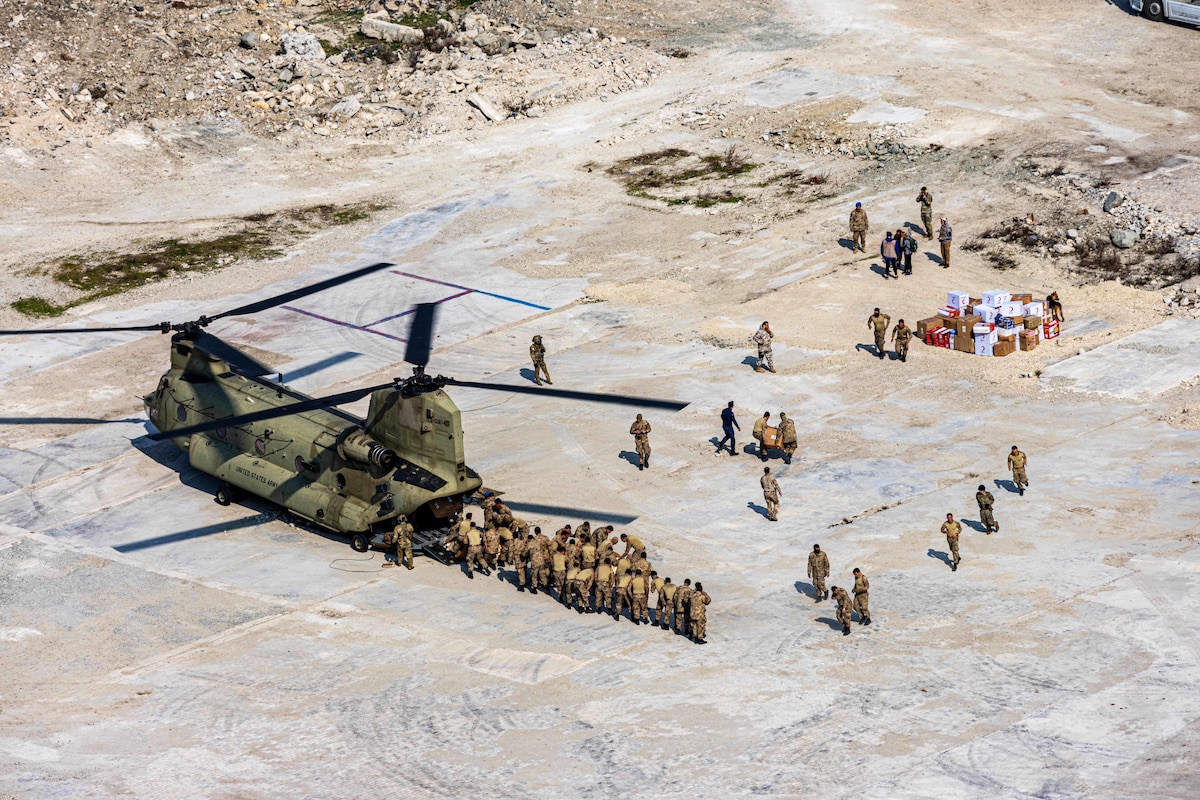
(949, 313)
(995, 298)
(1033, 309)
(959, 300)
(987, 313)
(983, 328)
(1010, 308)
(1050, 329)
(982, 346)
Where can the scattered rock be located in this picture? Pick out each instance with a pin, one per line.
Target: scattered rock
(249, 41)
(347, 107)
(1072, 234)
(376, 28)
(1064, 248)
(533, 112)
(302, 45)
(485, 107)
(1113, 200)
(1123, 239)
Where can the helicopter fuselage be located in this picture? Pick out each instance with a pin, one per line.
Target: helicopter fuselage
(328, 466)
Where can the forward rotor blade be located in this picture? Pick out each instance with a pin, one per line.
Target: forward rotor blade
(159, 327)
(296, 294)
(239, 362)
(270, 413)
(568, 394)
(420, 335)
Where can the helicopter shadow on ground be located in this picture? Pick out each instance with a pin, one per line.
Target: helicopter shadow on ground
(940, 556)
(565, 511)
(170, 456)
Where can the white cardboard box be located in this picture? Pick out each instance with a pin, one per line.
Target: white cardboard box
(1009, 308)
(987, 313)
(982, 346)
(1033, 309)
(983, 328)
(995, 298)
(958, 299)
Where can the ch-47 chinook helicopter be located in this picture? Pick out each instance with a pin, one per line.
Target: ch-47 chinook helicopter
(348, 474)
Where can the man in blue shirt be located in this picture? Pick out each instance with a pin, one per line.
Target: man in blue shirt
(729, 422)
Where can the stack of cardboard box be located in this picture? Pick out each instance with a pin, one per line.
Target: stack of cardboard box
(994, 324)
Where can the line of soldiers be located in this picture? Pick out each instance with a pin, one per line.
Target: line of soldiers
(952, 528)
(582, 567)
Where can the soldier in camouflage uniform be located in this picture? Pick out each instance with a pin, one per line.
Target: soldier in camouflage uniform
(862, 591)
(951, 528)
(666, 601)
(697, 607)
(640, 430)
(474, 542)
(604, 585)
(621, 597)
(787, 437)
(539, 573)
(683, 599)
(818, 570)
(402, 538)
(639, 590)
(925, 200)
(520, 558)
(844, 610)
(902, 335)
(559, 573)
(985, 500)
(762, 339)
(537, 354)
(878, 323)
(580, 590)
(1016, 463)
(491, 547)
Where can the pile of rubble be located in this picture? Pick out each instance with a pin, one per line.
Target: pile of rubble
(1184, 298)
(311, 68)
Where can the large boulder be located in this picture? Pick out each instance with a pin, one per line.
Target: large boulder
(1123, 239)
(302, 45)
(389, 31)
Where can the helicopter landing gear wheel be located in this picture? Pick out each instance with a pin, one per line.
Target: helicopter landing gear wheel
(360, 543)
(226, 495)
(1153, 10)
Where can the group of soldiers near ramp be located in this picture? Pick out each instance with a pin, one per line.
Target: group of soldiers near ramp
(592, 571)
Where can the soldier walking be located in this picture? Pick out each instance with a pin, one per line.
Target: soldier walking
(1016, 463)
(728, 423)
(862, 591)
(537, 353)
(951, 528)
(787, 437)
(760, 434)
(859, 227)
(762, 338)
(843, 609)
(771, 493)
(402, 538)
(640, 430)
(878, 322)
(683, 599)
(945, 236)
(699, 614)
(818, 570)
(985, 500)
(902, 335)
(925, 200)
(474, 542)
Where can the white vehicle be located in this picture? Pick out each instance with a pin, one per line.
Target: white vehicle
(1174, 10)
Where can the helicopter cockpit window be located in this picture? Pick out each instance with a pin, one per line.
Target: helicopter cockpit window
(181, 413)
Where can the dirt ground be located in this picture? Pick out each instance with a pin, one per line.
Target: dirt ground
(673, 175)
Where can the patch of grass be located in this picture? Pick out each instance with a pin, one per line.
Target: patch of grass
(646, 174)
(340, 17)
(421, 21)
(258, 237)
(37, 307)
(1001, 261)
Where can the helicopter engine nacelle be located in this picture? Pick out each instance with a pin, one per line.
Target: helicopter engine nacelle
(357, 446)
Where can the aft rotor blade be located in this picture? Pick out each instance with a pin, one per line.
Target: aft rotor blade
(239, 362)
(296, 294)
(420, 335)
(568, 394)
(270, 413)
(160, 327)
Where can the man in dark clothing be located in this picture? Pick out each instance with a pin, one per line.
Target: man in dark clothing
(728, 423)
